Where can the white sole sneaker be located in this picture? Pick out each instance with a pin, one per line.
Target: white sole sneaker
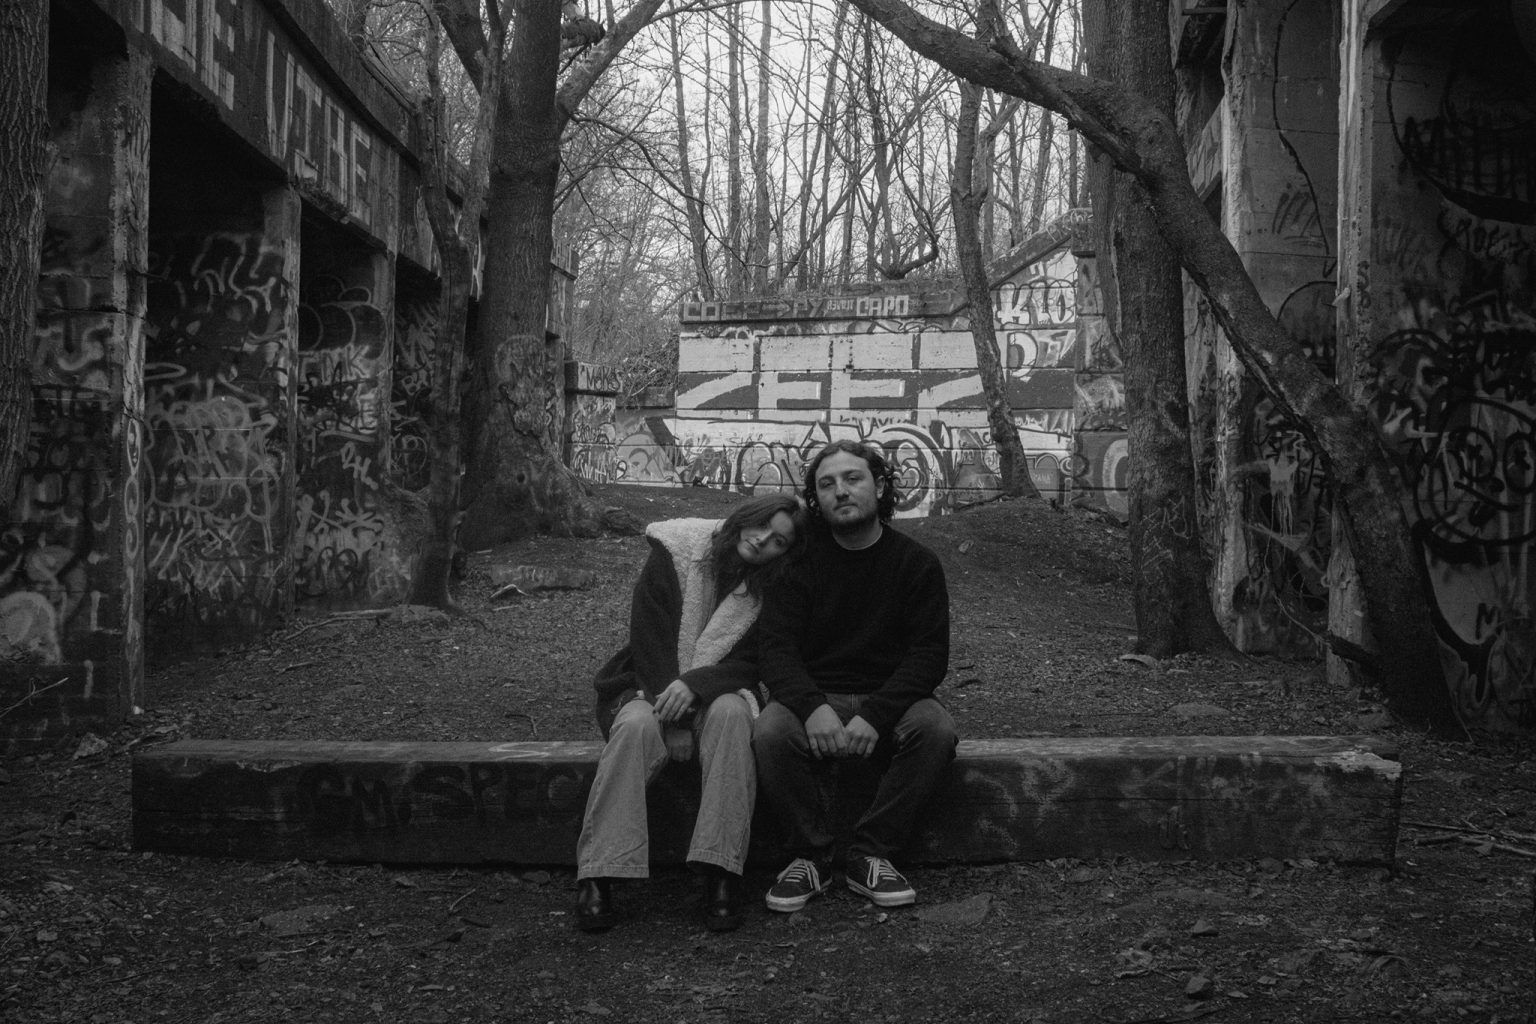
(878, 881)
(820, 883)
(885, 899)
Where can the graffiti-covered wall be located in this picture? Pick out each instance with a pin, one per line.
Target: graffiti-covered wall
(217, 378)
(762, 384)
(72, 547)
(347, 553)
(1373, 165)
(156, 511)
(591, 390)
(234, 356)
(1447, 327)
(1270, 174)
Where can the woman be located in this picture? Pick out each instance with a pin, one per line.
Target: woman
(688, 675)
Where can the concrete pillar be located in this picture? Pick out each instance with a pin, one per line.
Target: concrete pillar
(591, 397)
(72, 554)
(350, 517)
(412, 384)
(219, 394)
(1440, 273)
(1279, 178)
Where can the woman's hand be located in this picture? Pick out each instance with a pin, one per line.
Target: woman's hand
(673, 702)
(679, 741)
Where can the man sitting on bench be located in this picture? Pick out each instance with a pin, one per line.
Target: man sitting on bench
(855, 638)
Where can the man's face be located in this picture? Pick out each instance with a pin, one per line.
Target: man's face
(846, 492)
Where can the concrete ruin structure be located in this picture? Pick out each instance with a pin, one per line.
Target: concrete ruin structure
(237, 306)
(233, 353)
(1374, 163)
(763, 383)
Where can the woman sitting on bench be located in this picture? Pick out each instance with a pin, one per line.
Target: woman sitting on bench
(688, 677)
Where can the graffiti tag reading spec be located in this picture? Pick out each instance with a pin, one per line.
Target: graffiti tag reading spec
(334, 799)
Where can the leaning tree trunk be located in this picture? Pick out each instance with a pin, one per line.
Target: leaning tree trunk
(966, 201)
(1142, 141)
(23, 162)
(1144, 306)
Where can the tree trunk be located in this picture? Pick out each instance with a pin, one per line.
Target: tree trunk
(24, 154)
(966, 201)
(693, 203)
(735, 225)
(516, 482)
(1043, 155)
(430, 581)
(1143, 305)
(1143, 141)
(762, 213)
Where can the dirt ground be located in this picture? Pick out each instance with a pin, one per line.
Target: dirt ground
(93, 931)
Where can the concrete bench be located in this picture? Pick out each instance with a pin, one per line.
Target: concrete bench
(1176, 797)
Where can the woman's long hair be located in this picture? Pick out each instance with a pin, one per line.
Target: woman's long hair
(729, 570)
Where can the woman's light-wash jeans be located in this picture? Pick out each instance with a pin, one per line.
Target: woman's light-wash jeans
(615, 835)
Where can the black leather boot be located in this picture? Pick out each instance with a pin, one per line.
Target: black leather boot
(722, 900)
(594, 904)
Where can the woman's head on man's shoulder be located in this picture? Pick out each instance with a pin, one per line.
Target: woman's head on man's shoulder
(757, 534)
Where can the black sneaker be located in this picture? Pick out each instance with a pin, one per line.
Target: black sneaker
(797, 884)
(877, 880)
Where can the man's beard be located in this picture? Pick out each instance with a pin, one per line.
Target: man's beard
(840, 525)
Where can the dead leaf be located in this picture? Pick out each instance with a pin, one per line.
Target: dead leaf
(1138, 962)
(1389, 964)
(1140, 659)
(90, 746)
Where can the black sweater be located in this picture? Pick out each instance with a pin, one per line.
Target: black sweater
(874, 621)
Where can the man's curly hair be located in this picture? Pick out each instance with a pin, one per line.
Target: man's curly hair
(879, 468)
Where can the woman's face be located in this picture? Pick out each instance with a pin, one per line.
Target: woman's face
(759, 545)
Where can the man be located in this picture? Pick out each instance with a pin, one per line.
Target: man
(854, 641)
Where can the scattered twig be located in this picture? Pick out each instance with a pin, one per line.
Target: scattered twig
(1488, 843)
(533, 726)
(298, 665)
(1471, 835)
(32, 693)
(367, 613)
(510, 588)
(130, 977)
(1351, 651)
(1437, 826)
(1175, 1018)
(455, 904)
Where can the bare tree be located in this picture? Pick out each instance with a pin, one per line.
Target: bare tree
(1143, 304)
(693, 201)
(24, 154)
(455, 238)
(515, 482)
(1140, 139)
(968, 197)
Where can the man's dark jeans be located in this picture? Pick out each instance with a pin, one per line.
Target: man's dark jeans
(914, 757)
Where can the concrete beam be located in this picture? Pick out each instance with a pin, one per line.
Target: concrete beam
(1168, 798)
